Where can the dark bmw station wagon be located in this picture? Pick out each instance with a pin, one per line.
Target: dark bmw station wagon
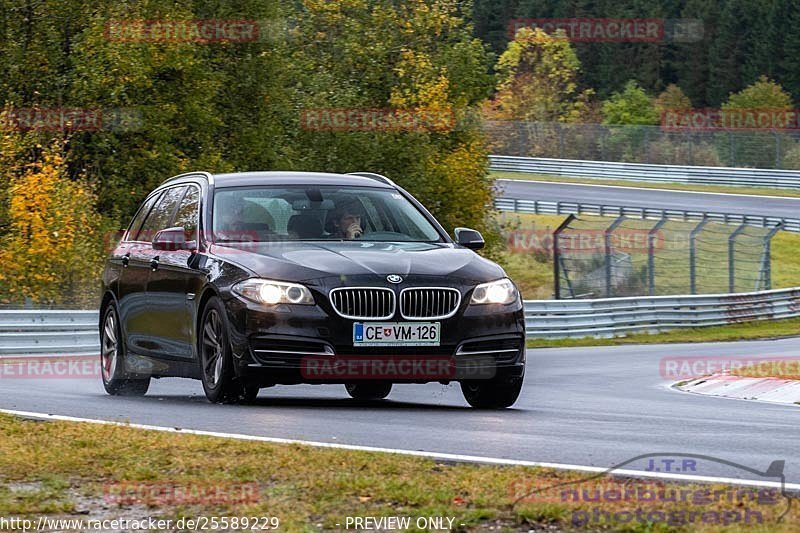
(255, 279)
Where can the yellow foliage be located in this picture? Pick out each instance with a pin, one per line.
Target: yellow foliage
(49, 249)
(461, 185)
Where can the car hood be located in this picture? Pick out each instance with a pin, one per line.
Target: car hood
(307, 261)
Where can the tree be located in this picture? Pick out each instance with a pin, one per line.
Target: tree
(52, 241)
(416, 56)
(630, 106)
(538, 80)
(763, 94)
(671, 98)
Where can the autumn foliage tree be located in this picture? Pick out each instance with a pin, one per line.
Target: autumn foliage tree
(538, 80)
(51, 246)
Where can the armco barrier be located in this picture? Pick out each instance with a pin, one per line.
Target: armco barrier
(47, 332)
(696, 175)
(537, 207)
(612, 317)
(75, 332)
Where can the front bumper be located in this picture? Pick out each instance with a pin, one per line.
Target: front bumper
(292, 344)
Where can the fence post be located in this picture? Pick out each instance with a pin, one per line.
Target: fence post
(557, 255)
(693, 255)
(766, 259)
(651, 262)
(607, 241)
(560, 141)
(777, 150)
(733, 149)
(732, 257)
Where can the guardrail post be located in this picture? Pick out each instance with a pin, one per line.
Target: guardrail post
(766, 257)
(651, 262)
(693, 255)
(607, 241)
(732, 257)
(557, 257)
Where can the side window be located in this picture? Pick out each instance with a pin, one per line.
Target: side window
(136, 224)
(188, 212)
(160, 216)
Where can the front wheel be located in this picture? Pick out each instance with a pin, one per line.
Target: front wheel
(369, 390)
(216, 359)
(112, 359)
(492, 393)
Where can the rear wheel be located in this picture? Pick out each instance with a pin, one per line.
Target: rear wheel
(112, 359)
(492, 393)
(369, 390)
(216, 359)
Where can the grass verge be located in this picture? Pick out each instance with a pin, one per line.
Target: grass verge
(734, 332)
(755, 191)
(63, 469)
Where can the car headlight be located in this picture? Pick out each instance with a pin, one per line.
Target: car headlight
(501, 291)
(265, 291)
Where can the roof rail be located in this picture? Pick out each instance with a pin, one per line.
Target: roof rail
(207, 175)
(372, 175)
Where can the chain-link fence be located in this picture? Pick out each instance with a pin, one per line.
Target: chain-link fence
(608, 257)
(646, 144)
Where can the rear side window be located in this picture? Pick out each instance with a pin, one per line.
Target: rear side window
(136, 225)
(161, 215)
(188, 213)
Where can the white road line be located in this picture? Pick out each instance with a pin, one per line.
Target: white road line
(650, 189)
(415, 453)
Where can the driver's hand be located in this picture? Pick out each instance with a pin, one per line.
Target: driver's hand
(354, 231)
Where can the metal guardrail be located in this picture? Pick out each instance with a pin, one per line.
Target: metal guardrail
(75, 332)
(612, 317)
(52, 332)
(537, 207)
(695, 175)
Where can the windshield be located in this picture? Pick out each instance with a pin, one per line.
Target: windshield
(314, 213)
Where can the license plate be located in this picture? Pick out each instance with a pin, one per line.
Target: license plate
(396, 334)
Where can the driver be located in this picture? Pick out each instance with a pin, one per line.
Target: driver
(345, 220)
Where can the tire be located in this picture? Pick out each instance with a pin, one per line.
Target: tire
(216, 359)
(492, 393)
(369, 390)
(112, 358)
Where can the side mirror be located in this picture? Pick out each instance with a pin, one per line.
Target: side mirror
(469, 238)
(173, 239)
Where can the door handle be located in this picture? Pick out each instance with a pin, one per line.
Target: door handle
(154, 263)
(126, 260)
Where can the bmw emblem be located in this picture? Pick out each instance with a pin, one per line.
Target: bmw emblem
(394, 278)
